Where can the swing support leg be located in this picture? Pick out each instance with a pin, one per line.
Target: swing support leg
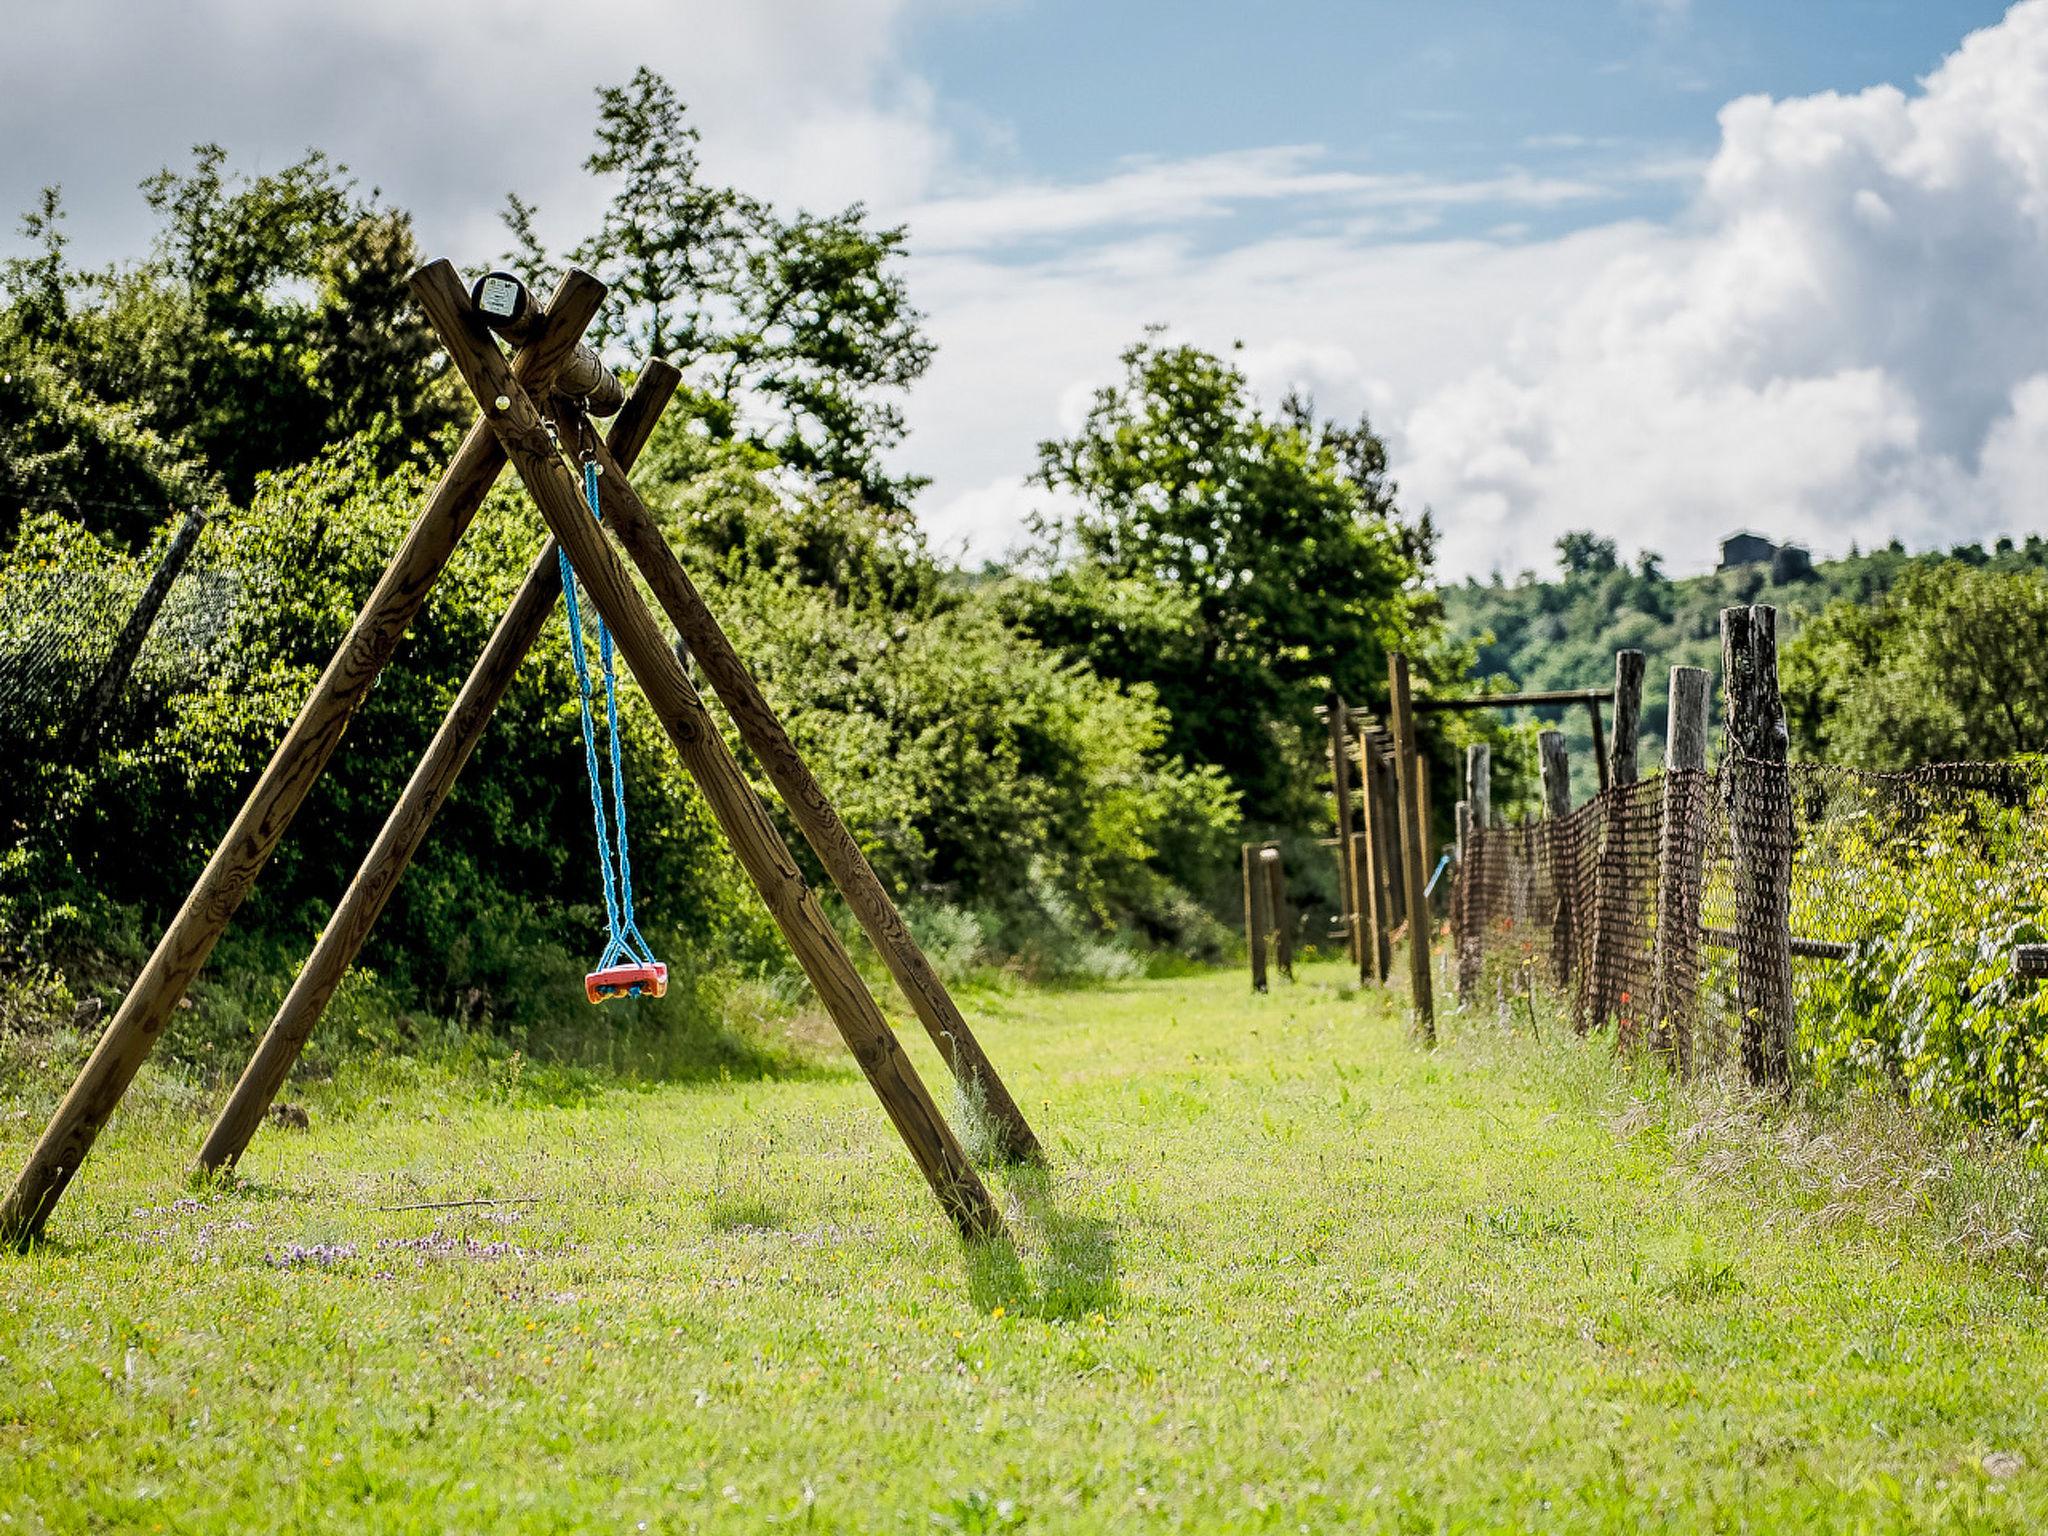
(808, 804)
(406, 827)
(136, 1026)
(738, 809)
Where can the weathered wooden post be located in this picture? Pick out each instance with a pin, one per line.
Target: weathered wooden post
(1622, 767)
(1555, 768)
(259, 825)
(1614, 928)
(1339, 722)
(1479, 783)
(1600, 767)
(1373, 933)
(1391, 892)
(1464, 942)
(1760, 830)
(1276, 908)
(1412, 803)
(1254, 913)
(1680, 849)
(520, 426)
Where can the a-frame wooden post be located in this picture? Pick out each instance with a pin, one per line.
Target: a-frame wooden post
(809, 806)
(740, 814)
(137, 1024)
(406, 827)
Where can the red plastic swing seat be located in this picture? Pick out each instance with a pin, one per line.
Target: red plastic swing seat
(617, 981)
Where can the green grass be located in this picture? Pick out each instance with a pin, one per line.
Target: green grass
(1288, 1273)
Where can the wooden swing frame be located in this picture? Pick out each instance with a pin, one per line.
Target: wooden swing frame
(512, 427)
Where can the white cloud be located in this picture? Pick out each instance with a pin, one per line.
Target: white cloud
(1845, 341)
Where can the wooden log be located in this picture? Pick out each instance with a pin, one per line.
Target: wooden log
(1622, 766)
(739, 811)
(816, 817)
(253, 836)
(120, 664)
(1254, 914)
(501, 298)
(1798, 948)
(1538, 697)
(1277, 909)
(1413, 810)
(1760, 827)
(405, 829)
(1554, 767)
(1338, 720)
(1674, 1006)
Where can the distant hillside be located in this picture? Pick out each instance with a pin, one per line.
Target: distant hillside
(1564, 633)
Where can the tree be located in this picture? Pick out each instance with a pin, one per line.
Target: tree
(1587, 554)
(1239, 563)
(1950, 664)
(794, 334)
(270, 319)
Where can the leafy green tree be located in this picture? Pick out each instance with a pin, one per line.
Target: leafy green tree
(795, 334)
(1951, 664)
(270, 319)
(1237, 563)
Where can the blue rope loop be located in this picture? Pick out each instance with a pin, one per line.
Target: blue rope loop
(614, 858)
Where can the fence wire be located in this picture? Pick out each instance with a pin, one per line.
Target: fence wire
(1802, 919)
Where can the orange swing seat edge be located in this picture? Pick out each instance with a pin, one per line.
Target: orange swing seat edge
(617, 981)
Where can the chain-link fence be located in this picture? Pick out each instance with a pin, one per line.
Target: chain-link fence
(1807, 920)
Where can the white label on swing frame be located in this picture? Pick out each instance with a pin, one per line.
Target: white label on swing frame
(500, 297)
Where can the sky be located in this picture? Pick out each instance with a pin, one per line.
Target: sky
(1658, 268)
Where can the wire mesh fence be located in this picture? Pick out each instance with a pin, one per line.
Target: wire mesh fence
(1809, 920)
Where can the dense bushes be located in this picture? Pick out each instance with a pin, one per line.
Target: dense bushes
(1933, 906)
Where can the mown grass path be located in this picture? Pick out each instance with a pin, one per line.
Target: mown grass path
(1289, 1274)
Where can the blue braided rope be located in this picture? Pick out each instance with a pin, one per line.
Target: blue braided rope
(627, 942)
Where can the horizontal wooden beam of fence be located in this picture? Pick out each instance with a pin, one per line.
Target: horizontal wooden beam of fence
(1802, 949)
(1516, 700)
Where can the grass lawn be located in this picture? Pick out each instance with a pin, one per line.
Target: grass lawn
(1288, 1273)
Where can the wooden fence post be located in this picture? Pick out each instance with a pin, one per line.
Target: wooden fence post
(1614, 927)
(1599, 743)
(1760, 830)
(1408, 780)
(1276, 908)
(1464, 942)
(1479, 784)
(1254, 913)
(1680, 849)
(1339, 721)
(1372, 911)
(1622, 767)
(293, 769)
(1555, 767)
(1385, 826)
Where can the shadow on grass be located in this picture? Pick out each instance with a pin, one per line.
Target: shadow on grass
(1073, 1256)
